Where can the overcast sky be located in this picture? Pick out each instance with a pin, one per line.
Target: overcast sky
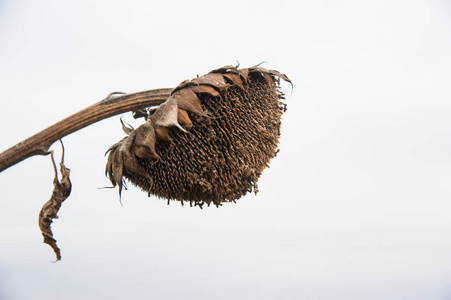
(355, 206)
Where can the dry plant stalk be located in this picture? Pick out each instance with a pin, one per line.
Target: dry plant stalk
(207, 141)
(114, 104)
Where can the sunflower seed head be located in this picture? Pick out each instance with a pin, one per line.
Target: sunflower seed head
(209, 142)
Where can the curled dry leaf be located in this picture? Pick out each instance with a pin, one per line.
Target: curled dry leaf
(61, 190)
(209, 142)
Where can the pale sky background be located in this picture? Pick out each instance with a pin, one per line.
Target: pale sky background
(355, 206)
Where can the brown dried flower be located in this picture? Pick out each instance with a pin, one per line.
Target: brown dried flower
(209, 142)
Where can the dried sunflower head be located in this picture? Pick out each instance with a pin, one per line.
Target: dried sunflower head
(209, 142)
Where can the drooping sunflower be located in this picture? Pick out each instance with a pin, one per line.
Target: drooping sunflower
(208, 142)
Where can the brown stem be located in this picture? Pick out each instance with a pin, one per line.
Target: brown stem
(40, 143)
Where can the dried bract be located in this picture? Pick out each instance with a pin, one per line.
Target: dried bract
(209, 142)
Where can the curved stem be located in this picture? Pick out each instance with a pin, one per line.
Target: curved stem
(40, 143)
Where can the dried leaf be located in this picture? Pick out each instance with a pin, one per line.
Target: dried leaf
(61, 190)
